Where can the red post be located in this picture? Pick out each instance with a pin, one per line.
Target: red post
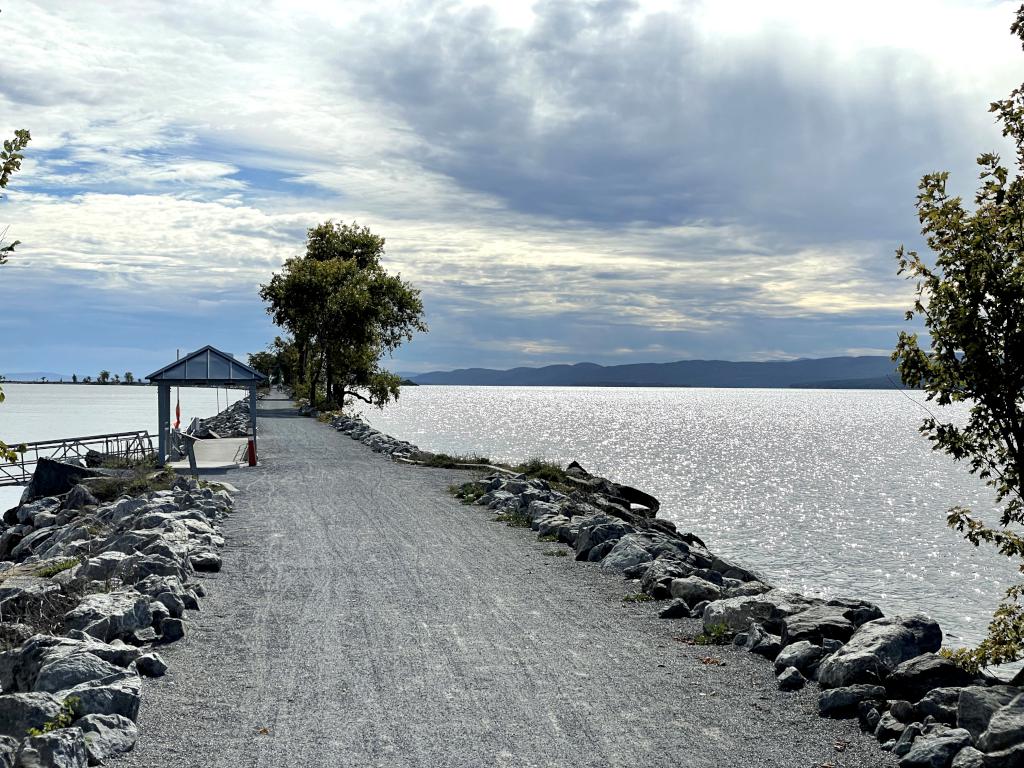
(252, 452)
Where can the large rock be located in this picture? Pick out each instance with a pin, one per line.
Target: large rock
(843, 702)
(62, 748)
(21, 711)
(98, 697)
(940, 704)
(877, 648)
(694, 589)
(107, 736)
(55, 478)
(768, 610)
(657, 579)
(816, 624)
(627, 552)
(913, 678)
(592, 535)
(110, 615)
(67, 671)
(1006, 728)
(855, 610)
(977, 704)
(20, 667)
(968, 757)
(803, 655)
(8, 751)
(936, 749)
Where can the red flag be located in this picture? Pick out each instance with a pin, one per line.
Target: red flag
(177, 413)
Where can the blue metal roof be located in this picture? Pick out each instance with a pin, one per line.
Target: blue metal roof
(207, 366)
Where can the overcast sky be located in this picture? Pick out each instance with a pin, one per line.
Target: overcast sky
(610, 181)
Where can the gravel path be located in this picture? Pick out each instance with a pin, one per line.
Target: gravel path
(365, 618)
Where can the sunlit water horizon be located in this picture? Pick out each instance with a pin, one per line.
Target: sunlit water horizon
(828, 492)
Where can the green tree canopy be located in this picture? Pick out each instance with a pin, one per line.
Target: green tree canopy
(971, 300)
(344, 313)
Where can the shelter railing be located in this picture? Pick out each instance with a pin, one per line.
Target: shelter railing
(130, 446)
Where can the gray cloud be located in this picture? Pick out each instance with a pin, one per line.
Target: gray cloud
(592, 115)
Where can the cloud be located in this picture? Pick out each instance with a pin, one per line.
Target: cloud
(602, 180)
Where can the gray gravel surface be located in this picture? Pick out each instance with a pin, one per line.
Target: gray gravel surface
(365, 618)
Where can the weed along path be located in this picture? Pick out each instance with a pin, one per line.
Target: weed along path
(363, 617)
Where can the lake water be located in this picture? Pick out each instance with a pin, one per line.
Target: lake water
(830, 492)
(50, 411)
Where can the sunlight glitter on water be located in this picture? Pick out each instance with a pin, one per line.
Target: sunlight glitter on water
(830, 492)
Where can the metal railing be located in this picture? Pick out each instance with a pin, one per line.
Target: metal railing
(131, 446)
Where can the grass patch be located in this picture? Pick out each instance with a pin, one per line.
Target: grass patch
(141, 480)
(638, 597)
(542, 470)
(555, 552)
(447, 461)
(467, 493)
(548, 537)
(59, 567)
(716, 634)
(513, 519)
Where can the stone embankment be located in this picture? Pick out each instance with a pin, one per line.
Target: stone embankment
(233, 421)
(886, 671)
(89, 592)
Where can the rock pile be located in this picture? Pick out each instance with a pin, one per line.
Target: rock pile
(88, 593)
(885, 671)
(233, 421)
(377, 441)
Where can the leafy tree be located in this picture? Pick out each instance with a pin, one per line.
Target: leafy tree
(344, 312)
(10, 161)
(117, 378)
(971, 300)
(129, 377)
(87, 380)
(279, 363)
(74, 378)
(104, 377)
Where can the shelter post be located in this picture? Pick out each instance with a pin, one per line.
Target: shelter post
(164, 416)
(252, 415)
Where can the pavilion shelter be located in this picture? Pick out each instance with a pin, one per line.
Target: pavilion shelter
(206, 367)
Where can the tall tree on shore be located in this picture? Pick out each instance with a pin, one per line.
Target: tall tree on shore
(129, 377)
(344, 312)
(104, 377)
(971, 300)
(10, 161)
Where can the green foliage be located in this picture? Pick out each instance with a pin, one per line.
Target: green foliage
(637, 597)
(971, 299)
(716, 634)
(555, 552)
(104, 377)
(542, 469)
(513, 519)
(965, 658)
(279, 362)
(467, 493)
(10, 162)
(63, 720)
(59, 567)
(548, 537)
(129, 377)
(448, 461)
(344, 312)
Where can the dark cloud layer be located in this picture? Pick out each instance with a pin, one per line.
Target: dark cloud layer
(591, 115)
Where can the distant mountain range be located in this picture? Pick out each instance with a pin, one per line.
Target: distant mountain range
(868, 372)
